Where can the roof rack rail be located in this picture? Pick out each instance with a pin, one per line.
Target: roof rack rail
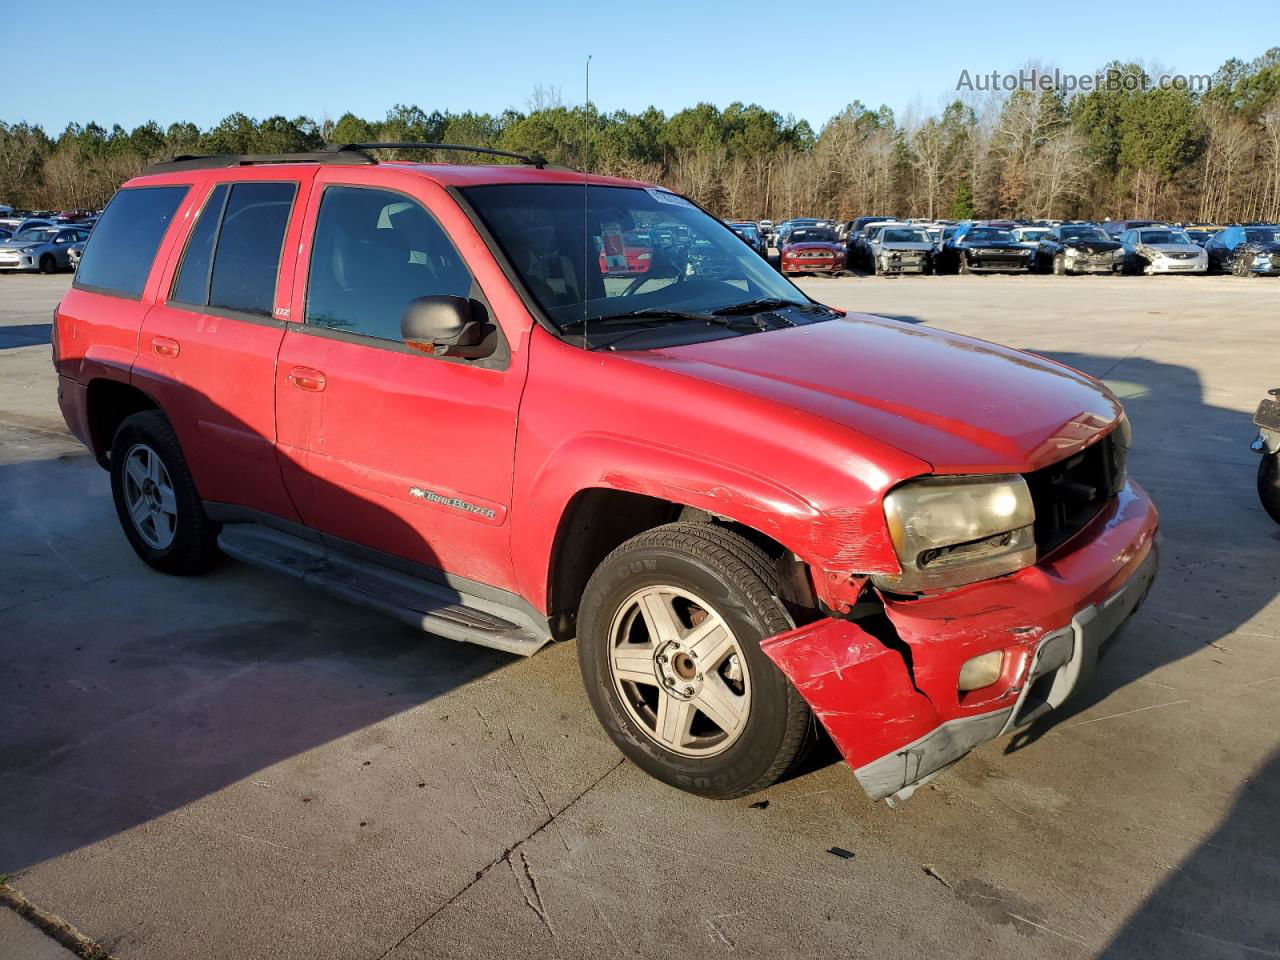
(533, 159)
(222, 160)
(334, 153)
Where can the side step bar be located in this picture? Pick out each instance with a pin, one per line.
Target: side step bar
(431, 607)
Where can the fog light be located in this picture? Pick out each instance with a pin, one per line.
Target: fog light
(981, 671)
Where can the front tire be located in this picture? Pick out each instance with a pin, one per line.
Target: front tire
(669, 635)
(156, 498)
(1269, 484)
(48, 264)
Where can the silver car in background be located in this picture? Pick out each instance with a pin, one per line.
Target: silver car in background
(41, 248)
(1153, 250)
(900, 248)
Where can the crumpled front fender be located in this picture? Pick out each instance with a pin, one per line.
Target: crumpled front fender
(885, 687)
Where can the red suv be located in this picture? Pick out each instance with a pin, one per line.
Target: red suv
(422, 387)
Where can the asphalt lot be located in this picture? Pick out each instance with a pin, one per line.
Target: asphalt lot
(236, 766)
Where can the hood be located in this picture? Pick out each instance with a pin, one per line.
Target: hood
(991, 244)
(1263, 247)
(905, 245)
(961, 405)
(816, 245)
(1093, 246)
(21, 245)
(1172, 247)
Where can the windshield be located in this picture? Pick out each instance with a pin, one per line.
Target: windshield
(744, 229)
(1162, 236)
(37, 234)
(989, 235)
(1026, 235)
(1083, 233)
(1263, 236)
(903, 235)
(687, 260)
(812, 235)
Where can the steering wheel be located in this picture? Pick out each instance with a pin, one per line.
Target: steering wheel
(658, 262)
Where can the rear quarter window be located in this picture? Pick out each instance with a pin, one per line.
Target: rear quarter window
(118, 256)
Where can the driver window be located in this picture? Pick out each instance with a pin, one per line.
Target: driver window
(374, 251)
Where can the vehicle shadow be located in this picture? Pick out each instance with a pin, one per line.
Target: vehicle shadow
(126, 694)
(1193, 459)
(1220, 901)
(25, 335)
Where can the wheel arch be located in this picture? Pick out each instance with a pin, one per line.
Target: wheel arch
(108, 403)
(597, 520)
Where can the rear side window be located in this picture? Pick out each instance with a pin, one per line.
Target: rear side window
(247, 257)
(192, 283)
(118, 257)
(374, 252)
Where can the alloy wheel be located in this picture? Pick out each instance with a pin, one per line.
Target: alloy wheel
(149, 496)
(679, 671)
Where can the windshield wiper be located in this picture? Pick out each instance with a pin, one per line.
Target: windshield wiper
(640, 316)
(756, 306)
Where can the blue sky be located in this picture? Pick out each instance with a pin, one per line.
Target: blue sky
(141, 61)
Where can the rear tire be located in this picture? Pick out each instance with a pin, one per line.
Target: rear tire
(156, 499)
(649, 672)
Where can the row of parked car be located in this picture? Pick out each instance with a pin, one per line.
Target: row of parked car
(47, 242)
(886, 245)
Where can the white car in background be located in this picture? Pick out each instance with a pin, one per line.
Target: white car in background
(1030, 237)
(1153, 250)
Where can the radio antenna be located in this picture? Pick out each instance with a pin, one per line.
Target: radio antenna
(586, 232)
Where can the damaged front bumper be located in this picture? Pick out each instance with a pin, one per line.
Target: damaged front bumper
(886, 688)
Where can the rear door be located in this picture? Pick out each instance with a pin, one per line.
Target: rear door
(382, 445)
(208, 349)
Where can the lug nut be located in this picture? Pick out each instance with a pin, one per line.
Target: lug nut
(669, 682)
(662, 658)
(688, 691)
(699, 676)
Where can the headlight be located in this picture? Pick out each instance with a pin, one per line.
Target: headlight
(981, 671)
(953, 530)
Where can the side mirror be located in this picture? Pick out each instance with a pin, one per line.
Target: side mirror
(448, 327)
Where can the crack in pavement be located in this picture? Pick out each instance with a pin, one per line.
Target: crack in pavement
(505, 856)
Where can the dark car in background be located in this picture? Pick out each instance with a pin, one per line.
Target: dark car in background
(1245, 251)
(858, 240)
(1078, 248)
(810, 249)
(979, 248)
(1201, 234)
(1114, 228)
(750, 235)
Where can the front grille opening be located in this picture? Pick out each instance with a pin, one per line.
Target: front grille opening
(1069, 493)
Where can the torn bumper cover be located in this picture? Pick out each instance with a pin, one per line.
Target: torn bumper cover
(888, 694)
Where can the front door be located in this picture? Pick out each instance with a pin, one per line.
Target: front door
(382, 445)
